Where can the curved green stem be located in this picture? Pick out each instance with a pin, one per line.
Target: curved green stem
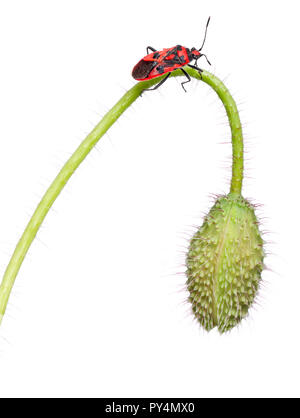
(236, 131)
(86, 146)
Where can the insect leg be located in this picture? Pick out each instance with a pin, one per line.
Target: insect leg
(188, 78)
(196, 68)
(159, 84)
(151, 49)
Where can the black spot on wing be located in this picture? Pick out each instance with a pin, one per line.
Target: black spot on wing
(142, 69)
(156, 55)
(160, 69)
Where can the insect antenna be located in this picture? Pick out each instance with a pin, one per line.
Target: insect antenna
(204, 34)
(203, 55)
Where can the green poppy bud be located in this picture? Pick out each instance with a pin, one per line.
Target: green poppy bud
(224, 264)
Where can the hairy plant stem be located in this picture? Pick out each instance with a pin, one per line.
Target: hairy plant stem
(90, 141)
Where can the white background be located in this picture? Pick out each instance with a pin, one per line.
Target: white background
(98, 308)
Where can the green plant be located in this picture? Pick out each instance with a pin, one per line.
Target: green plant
(220, 293)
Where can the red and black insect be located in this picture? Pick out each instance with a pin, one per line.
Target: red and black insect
(162, 62)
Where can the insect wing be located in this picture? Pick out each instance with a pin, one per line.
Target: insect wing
(142, 69)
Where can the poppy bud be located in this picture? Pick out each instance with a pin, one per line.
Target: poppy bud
(224, 264)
